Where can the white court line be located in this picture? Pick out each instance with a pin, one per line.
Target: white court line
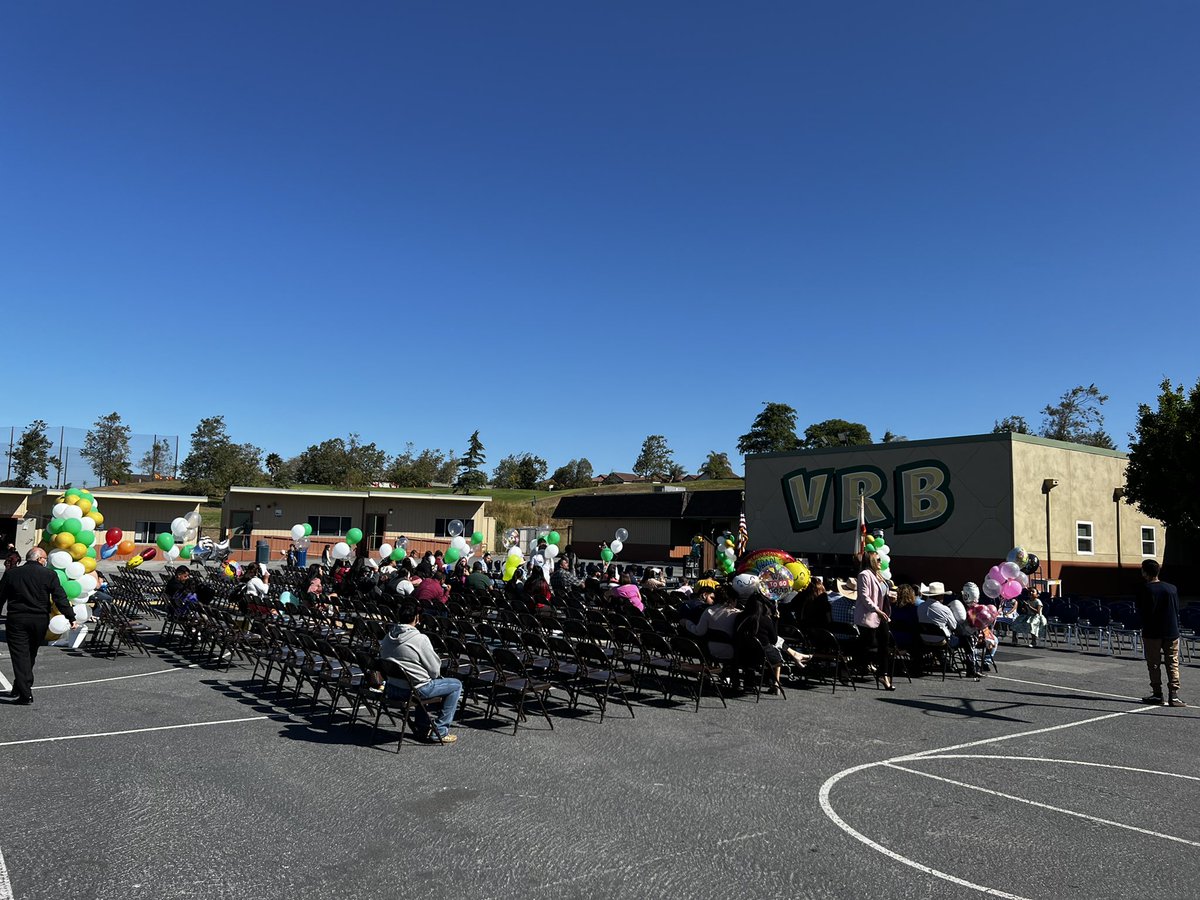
(47, 687)
(6, 891)
(79, 737)
(8, 687)
(1039, 805)
(1065, 762)
(1061, 688)
(827, 807)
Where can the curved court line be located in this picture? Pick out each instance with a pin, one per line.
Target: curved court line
(47, 687)
(827, 787)
(1040, 805)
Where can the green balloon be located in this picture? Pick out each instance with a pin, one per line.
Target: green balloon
(552, 537)
(477, 537)
(165, 541)
(353, 536)
(91, 552)
(186, 551)
(451, 556)
(86, 538)
(606, 555)
(56, 525)
(73, 492)
(62, 577)
(307, 530)
(73, 589)
(398, 554)
(47, 535)
(72, 526)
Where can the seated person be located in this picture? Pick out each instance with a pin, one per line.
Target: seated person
(479, 580)
(693, 608)
(412, 650)
(1029, 618)
(717, 624)
(653, 580)
(181, 588)
(432, 588)
(935, 611)
(812, 608)
(537, 591)
(627, 592)
(562, 580)
(905, 613)
(842, 604)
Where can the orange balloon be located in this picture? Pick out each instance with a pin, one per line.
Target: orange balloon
(63, 540)
(77, 551)
(125, 547)
(89, 565)
(96, 517)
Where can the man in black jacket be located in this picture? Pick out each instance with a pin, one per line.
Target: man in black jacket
(1158, 608)
(27, 591)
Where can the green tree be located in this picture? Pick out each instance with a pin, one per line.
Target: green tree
(411, 469)
(520, 471)
(835, 433)
(1162, 477)
(655, 459)
(447, 472)
(106, 448)
(576, 473)
(890, 438)
(716, 465)
(157, 459)
(214, 462)
(773, 430)
(341, 462)
(1077, 417)
(470, 474)
(674, 472)
(273, 462)
(1011, 425)
(31, 455)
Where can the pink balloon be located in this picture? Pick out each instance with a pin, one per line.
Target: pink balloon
(1011, 589)
(995, 574)
(985, 615)
(1010, 570)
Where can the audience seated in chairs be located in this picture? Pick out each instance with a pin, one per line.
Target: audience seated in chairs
(405, 644)
(935, 611)
(757, 641)
(716, 626)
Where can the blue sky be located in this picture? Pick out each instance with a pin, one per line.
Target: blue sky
(571, 225)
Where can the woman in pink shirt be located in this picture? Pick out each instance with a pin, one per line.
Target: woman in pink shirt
(872, 613)
(627, 590)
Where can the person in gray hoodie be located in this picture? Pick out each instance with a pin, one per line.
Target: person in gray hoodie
(405, 644)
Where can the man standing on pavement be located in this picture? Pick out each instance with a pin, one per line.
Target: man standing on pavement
(27, 591)
(1158, 607)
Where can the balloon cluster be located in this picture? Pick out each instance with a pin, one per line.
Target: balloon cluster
(981, 615)
(876, 544)
(1009, 578)
(513, 561)
(1028, 562)
(70, 543)
(341, 550)
(778, 572)
(301, 536)
(726, 553)
(615, 546)
(396, 553)
(461, 548)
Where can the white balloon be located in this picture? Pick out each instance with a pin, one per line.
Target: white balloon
(86, 524)
(60, 559)
(552, 551)
(60, 624)
(81, 613)
(74, 570)
(179, 526)
(72, 512)
(454, 527)
(621, 535)
(341, 550)
(460, 544)
(173, 554)
(60, 510)
(514, 550)
(616, 546)
(385, 551)
(87, 583)
(193, 519)
(730, 553)
(885, 550)
(297, 532)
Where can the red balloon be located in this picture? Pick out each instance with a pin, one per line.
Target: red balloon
(113, 536)
(149, 553)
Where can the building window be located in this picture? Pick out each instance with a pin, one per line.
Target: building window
(1083, 538)
(1149, 544)
(148, 532)
(329, 526)
(439, 528)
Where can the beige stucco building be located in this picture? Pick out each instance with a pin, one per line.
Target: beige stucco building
(268, 513)
(142, 516)
(18, 526)
(951, 508)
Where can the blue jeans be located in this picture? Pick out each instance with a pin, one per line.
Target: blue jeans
(448, 689)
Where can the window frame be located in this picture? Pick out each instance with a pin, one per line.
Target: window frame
(439, 527)
(144, 535)
(1090, 538)
(1153, 554)
(318, 529)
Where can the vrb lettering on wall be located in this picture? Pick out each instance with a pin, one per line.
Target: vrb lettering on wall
(920, 497)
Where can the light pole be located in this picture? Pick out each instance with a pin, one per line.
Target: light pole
(1118, 495)
(1048, 485)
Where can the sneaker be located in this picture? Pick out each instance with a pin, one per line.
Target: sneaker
(447, 738)
(1154, 700)
(1175, 701)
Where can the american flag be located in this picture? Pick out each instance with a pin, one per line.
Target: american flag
(743, 537)
(860, 546)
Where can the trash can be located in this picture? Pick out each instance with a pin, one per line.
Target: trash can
(302, 559)
(262, 553)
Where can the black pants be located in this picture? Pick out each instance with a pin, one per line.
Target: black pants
(877, 647)
(25, 636)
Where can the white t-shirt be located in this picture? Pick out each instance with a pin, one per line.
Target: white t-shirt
(256, 587)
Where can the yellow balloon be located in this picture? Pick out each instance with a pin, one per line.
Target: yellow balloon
(62, 498)
(77, 551)
(89, 564)
(134, 562)
(72, 501)
(63, 540)
(96, 517)
(800, 575)
(84, 504)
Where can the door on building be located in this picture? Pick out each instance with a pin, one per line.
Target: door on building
(375, 530)
(241, 524)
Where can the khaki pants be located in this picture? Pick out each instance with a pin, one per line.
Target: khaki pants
(1161, 652)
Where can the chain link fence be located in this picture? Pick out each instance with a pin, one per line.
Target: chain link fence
(152, 457)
